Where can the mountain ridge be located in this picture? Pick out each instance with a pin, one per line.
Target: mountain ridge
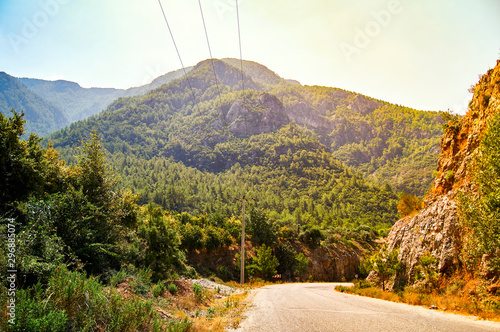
(41, 116)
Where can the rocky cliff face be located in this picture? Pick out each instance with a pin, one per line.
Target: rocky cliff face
(336, 264)
(435, 228)
(252, 117)
(305, 115)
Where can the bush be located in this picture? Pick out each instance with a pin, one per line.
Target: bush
(198, 292)
(265, 262)
(180, 326)
(480, 212)
(172, 288)
(75, 302)
(311, 236)
(141, 282)
(159, 289)
(301, 264)
(117, 278)
(35, 313)
(386, 264)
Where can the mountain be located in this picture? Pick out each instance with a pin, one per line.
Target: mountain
(42, 117)
(197, 143)
(79, 103)
(439, 228)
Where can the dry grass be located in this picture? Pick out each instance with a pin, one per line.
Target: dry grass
(460, 295)
(215, 312)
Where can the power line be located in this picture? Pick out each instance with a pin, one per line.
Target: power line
(210, 51)
(241, 56)
(178, 54)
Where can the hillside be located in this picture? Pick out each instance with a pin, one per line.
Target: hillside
(385, 142)
(78, 103)
(42, 116)
(284, 145)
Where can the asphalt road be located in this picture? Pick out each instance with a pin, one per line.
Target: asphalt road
(317, 307)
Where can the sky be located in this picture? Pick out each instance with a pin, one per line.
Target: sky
(423, 54)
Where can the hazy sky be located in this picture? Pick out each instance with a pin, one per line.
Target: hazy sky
(418, 53)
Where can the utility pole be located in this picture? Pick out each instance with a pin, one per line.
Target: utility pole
(242, 257)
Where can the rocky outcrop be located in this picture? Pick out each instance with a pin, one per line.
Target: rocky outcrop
(435, 230)
(305, 115)
(436, 227)
(336, 264)
(261, 115)
(363, 105)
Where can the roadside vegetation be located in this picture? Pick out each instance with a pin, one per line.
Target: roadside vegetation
(475, 288)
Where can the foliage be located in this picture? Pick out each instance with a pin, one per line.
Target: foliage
(426, 270)
(262, 229)
(385, 263)
(180, 326)
(160, 288)
(301, 264)
(286, 259)
(157, 243)
(76, 302)
(22, 163)
(172, 288)
(198, 292)
(264, 262)
(408, 205)
(481, 212)
(311, 236)
(118, 278)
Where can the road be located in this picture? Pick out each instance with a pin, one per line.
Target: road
(317, 307)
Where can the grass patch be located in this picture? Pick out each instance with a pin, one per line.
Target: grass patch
(458, 295)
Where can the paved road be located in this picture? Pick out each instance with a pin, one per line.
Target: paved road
(317, 307)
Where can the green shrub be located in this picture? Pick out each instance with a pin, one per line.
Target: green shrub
(159, 289)
(172, 288)
(74, 302)
(364, 284)
(198, 292)
(35, 313)
(118, 277)
(180, 326)
(265, 262)
(480, 213)
(141, 282)
(301, 264)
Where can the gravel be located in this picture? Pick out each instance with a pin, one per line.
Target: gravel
(205, 283)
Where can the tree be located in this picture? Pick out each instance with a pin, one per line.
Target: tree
(265, 262)
(385, 263)
(21, 162)
(96, 177)
(408, 204)
(286, 258)
(262, 228)
(301, 264)
(480, 211)
(158, 245)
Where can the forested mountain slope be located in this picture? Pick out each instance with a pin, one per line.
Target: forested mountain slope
(41, 116)
(196, 145)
